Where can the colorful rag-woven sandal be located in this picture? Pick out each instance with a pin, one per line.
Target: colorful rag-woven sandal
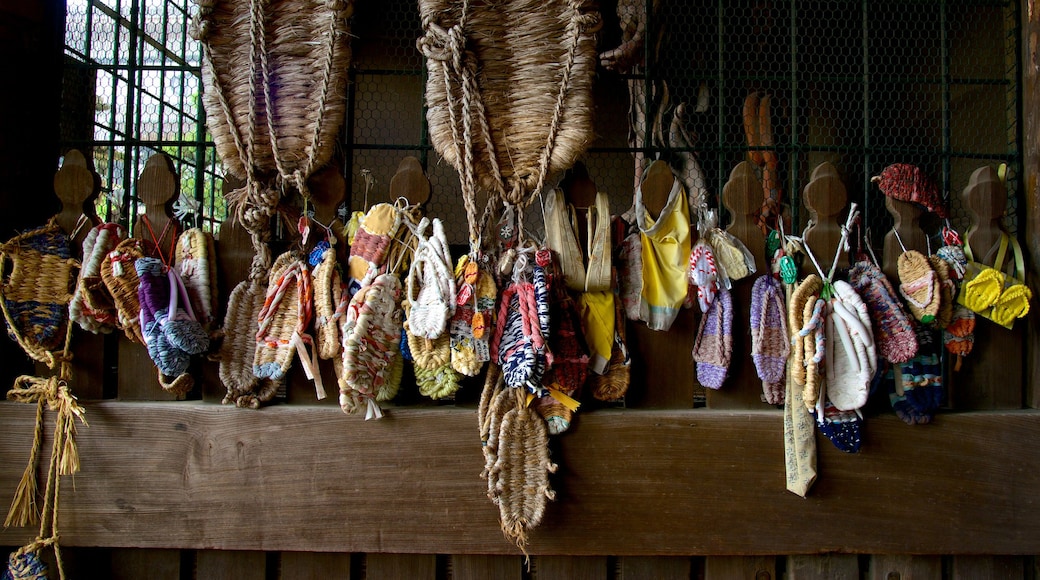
(372, 243)
(843, 428)
(630, 274)
(91, 307)
(196, 264)
(947, 291)
(330, 301)
(959, 335)
(918, 386)
(614, 382)
(570, 365)
(283, 321)
(911, 184)
(432, 363)
(851, 354)
(429, 311)
(893, 331)
(371, 334)
(171, 331)
(120, 277)
(518, 336)
(430, 283)
(919, 285)
(713, 348)
(704, 274)
(770, 342)
(471, 326)
(36, 293)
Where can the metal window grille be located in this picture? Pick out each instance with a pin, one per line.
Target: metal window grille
(131, 89)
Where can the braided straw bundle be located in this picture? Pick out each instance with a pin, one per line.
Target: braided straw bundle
(509, 91)
(35, 295)
(197, 265)
(117, 271)
(274, 76)
(91, 307)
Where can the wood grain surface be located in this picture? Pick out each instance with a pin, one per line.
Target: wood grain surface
(697, 482)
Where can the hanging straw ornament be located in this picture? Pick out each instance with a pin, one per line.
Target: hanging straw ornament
(35, 294)
(302, 47)
(91, 307)
(509, 94)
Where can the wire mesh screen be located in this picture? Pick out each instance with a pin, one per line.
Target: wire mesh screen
(131, 89)
(859, 84)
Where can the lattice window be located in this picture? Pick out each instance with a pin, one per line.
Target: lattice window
(132, 89)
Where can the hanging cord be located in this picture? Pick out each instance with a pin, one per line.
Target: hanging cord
(158, 241)
(843, 243)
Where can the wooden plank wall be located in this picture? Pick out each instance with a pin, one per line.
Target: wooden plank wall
(657, 490)
(134, 564)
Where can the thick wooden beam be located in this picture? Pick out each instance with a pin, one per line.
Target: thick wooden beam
(697, 482)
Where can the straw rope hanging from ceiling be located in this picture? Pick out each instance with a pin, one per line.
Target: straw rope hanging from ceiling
(509, 92)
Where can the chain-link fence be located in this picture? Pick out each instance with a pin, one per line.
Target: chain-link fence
(859, 84)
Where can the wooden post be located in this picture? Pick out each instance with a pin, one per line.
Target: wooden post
(991, 375)
(1030, 107)
(157, 188)
(74, 184)
(742, 196)
(825, 198)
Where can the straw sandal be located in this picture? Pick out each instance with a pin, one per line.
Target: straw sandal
(92, 307)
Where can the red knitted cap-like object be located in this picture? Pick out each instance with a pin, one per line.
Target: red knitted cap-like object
(909, 183)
